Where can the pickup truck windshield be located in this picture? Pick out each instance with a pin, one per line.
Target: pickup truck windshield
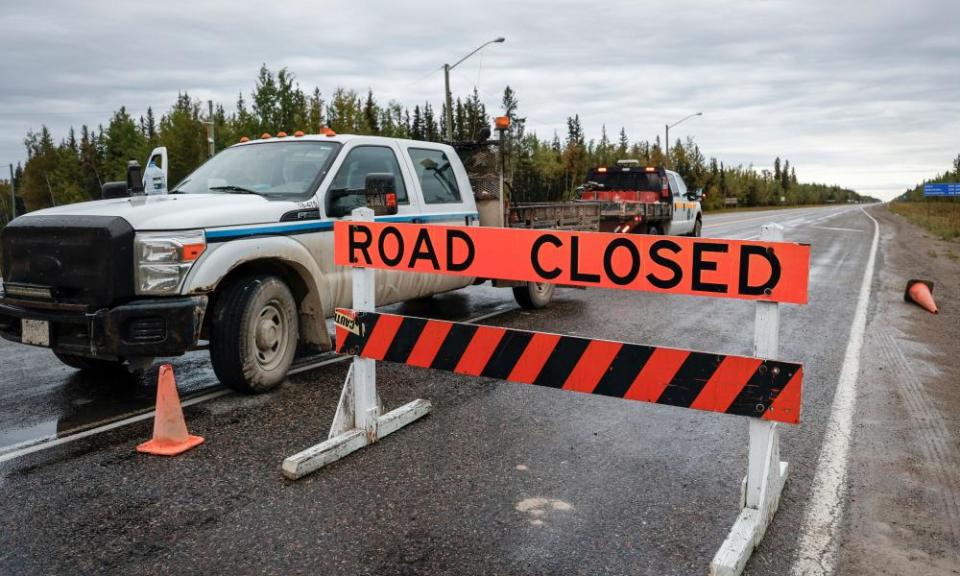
(276, 168)
(618, 180)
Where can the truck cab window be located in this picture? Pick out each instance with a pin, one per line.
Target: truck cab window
(281, 170)
(364, 160)
(437, 180)
(674, 187)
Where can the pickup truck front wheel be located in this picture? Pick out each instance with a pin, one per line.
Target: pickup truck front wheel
(534, 295)
(254, 334)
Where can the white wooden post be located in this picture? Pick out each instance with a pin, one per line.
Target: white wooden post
(357, 422)
(760, 494)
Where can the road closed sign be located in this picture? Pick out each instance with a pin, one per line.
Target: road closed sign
(750, 270)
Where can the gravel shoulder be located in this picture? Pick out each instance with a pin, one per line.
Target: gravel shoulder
(904, 509)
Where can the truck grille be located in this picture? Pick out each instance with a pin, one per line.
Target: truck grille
(80, 259)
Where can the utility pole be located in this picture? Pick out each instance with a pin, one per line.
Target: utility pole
(446, 83)
(449, 104)
(211, 130)
(13, 195)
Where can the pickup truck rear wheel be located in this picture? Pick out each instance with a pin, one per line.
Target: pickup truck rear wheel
(534, 295)
(89, 364)
(254, 334)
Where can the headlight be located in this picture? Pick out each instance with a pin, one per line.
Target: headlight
(164, 258)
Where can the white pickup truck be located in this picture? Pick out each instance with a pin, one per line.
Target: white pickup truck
(238, 256)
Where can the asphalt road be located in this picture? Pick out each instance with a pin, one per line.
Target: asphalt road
(500, 479)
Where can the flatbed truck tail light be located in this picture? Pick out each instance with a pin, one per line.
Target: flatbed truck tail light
(391, 200)
(602, 169)
(650, 169)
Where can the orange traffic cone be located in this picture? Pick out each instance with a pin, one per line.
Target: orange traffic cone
(170, 435)
(921, 293)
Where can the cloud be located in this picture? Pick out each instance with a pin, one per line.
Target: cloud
(861, 94)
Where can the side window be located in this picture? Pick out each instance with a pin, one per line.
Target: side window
(681, 186)
(437, 180)
(364, 160)
(673, 184)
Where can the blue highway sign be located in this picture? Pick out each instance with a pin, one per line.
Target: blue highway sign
(941, 189)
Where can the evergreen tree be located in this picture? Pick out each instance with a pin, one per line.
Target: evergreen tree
(623, 144)
(371, 122)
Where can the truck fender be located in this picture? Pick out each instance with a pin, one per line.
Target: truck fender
(220, 260)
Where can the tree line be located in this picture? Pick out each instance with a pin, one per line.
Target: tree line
(915, 194)
(538, 168)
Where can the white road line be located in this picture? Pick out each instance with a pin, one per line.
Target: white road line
(50, 442)
(838, 229)
(817, 552)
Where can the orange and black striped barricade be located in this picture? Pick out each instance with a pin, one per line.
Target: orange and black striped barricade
(763, 388)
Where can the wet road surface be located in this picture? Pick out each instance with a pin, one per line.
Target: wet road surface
(500, 478)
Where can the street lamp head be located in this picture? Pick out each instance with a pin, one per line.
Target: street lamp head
(500, 40)
(699, 114)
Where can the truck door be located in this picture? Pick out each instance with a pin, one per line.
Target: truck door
(358, 162)
(681, 219)
(436, 183)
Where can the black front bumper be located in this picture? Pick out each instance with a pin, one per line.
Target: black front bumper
(141, 328)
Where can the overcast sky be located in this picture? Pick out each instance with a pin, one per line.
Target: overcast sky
(864, 93)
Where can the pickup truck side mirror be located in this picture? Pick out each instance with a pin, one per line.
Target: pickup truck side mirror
(379, 194)
(111, 190)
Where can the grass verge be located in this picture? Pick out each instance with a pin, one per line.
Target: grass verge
(940, 218)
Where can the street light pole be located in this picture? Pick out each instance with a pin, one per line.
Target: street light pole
(446, 83)
(666, 157)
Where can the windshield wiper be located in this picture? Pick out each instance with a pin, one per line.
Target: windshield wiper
(234, 189)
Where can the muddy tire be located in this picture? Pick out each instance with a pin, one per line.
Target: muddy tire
(90, 364)
(254, 334)
(697, 228)
(534, 295)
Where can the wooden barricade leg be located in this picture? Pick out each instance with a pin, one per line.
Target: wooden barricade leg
(359, 420)
(766, 474)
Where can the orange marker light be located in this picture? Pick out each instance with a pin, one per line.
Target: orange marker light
(265, 136)
(281, 134)
(327, 131)
(193, 251)
(298, 134)
(244, 139)
(502, 122)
